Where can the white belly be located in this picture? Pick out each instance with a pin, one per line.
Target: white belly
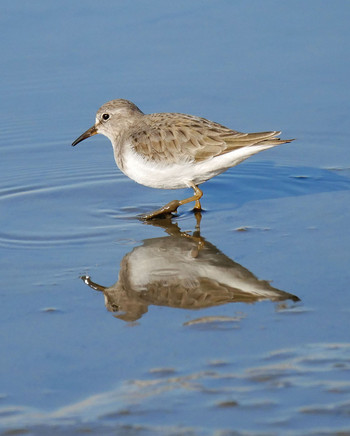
(179, 175)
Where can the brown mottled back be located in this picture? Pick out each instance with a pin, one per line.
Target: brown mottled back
(178, 137)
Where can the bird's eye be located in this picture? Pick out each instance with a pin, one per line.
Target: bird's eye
(105, 116)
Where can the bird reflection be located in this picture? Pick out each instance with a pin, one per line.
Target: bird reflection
(183, 271)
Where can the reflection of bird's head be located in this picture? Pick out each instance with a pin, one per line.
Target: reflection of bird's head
(117, 297)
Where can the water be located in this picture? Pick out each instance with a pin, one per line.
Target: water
(177, 358)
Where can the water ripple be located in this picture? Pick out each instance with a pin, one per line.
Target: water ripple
(39, 214)
(39, 203)
(248, 393)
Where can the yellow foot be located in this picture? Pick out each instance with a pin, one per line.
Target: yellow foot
(164, 211)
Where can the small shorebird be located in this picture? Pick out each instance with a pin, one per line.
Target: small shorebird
(171, 150)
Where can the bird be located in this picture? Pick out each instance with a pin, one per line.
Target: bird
(173, 150)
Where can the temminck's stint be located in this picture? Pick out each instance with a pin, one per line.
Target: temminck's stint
(171, 150)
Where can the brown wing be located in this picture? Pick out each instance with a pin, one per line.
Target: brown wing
(178, 137)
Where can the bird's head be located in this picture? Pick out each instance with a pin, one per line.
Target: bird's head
(111, 119)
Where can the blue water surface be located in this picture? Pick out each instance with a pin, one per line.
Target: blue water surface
(267, 365)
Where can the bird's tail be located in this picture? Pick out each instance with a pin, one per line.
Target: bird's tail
(266, 138)
(263, 139)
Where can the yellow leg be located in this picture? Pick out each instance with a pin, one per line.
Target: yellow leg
(173, 205)
(196, 197)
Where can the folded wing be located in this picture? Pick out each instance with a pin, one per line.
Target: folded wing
(176, 138)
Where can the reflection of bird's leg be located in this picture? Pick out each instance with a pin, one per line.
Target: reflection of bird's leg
(197, 235)
(170, 227)
(198, 217)
(173, 205)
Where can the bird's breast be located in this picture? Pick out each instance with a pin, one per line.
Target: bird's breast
(151, 173)
(171, 175)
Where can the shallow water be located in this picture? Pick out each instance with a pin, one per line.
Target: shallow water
(164, 349)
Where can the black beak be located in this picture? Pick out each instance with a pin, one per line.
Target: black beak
(90, 132)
